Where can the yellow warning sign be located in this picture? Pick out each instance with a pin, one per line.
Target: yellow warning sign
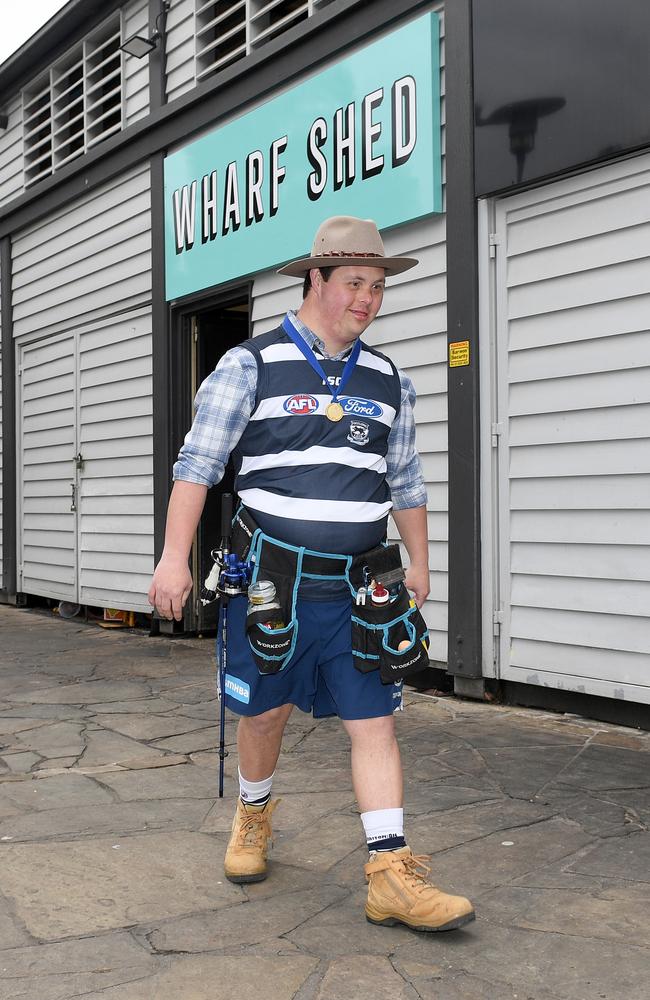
(459, 354)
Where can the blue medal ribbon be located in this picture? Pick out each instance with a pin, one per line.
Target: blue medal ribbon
(312, 360)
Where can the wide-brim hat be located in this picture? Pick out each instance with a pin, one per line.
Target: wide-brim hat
(344, 240)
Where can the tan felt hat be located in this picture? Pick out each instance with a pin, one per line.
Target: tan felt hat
(344, 240)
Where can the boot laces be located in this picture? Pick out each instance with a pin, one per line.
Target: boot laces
(416, 871)
(254, 828)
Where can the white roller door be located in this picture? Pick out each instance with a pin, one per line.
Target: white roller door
(47, 560)
(86, 467)
(115, 420)
(572, 430)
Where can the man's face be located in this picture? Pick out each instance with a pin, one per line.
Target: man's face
(350, 300)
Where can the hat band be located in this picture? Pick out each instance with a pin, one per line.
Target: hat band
(347, 253)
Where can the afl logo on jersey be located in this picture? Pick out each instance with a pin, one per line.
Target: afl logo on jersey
(358, 407)
(300, 404)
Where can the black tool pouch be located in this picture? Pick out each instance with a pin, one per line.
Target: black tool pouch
(271, 634)
(272, 648)
(377, 633)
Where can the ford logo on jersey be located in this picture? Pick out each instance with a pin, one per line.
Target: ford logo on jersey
(300, 404)
(360, 407)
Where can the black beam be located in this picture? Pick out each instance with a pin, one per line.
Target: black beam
(8, 427)
(317, 40)
(161, 360)
(464, 657)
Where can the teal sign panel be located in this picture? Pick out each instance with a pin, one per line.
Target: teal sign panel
(360, 138)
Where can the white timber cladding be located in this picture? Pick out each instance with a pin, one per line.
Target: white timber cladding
(90, 259)
(135, 21)
(86, 467)
(573, 397)
(75, 104)
(411, 330)
(91, 92)
(82, 308)
(115, 422)
(47, 550)
(205, 36)
(11, 152)
(179, 49)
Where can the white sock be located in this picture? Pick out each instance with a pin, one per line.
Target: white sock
(382, 824)
(255, 791)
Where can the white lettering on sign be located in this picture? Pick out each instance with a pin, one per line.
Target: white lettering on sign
(209, 206)
(231, 214)
(240, 190)
(370, 132)
(318, 177)
(254, 178)
(404, 119)
(185, 216)
(184, 198)
(344, 138)
(344, 155)
(277, 172)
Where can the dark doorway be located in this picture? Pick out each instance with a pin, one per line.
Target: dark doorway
(207, 333)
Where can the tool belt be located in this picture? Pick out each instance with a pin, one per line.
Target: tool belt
(377, 632)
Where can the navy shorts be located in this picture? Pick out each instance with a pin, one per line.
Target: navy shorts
(320, 677)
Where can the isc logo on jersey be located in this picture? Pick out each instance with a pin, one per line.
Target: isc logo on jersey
(300, 404)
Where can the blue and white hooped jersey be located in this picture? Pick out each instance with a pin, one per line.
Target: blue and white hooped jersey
(306, 479)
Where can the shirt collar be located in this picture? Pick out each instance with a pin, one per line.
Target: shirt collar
(313, 341)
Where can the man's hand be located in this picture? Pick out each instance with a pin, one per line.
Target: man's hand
(172, 581)
(412, 525)
(170, 587)
(417, 581)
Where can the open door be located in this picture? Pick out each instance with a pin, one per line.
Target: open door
(211, 332)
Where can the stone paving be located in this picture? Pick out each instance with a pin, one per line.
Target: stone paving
(112, 838)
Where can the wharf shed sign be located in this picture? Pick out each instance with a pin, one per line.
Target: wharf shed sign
(360, 138)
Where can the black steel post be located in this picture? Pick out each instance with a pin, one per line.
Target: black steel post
(464, 659)
(8, 428)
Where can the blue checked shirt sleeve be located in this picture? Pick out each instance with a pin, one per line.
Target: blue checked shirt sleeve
(403, 468)
(223, 405)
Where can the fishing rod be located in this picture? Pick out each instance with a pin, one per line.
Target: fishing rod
(229, 577)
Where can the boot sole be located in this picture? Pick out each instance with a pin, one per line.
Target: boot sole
(451, 925)
(244, 879)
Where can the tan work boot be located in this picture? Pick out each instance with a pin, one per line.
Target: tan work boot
(245, 859)
(400, 892)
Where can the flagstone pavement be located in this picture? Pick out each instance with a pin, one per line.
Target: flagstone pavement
(112, 838)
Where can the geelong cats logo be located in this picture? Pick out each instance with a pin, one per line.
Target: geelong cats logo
(359, 432)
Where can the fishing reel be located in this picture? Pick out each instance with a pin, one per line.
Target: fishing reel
(229, 576)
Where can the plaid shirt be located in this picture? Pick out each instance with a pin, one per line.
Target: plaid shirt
(226, 399)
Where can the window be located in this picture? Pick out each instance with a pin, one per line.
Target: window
(227, 30)
(77, 104)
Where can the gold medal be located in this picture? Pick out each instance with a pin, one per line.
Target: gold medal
(334, 412)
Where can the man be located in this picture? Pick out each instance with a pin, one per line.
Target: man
(317, 469)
